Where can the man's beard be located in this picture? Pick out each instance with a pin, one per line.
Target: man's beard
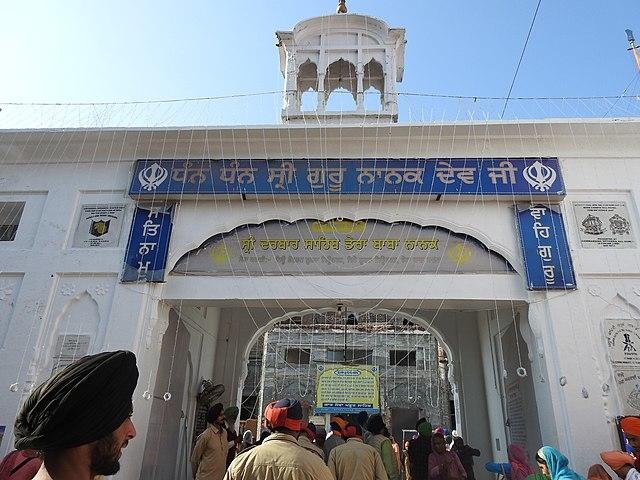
(105, 456)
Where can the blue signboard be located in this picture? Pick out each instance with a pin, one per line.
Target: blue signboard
(148, 245)
(547, 259)
(537, 178)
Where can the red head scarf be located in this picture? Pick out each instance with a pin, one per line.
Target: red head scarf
(310, 430)
(520, 468)
(340, 421)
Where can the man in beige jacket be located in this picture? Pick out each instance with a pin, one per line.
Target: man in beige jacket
(279, 457)
(209, 457)
(355, 460)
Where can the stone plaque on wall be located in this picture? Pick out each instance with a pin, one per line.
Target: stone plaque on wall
(69, 348)
(99, 226)
(628, 383)
(604, 224)
(623, 341)
(515, 411)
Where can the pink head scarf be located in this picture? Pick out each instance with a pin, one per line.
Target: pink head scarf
(520, 468)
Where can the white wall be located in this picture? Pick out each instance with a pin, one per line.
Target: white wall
(43, 280)
(56, 289)
(187, 350)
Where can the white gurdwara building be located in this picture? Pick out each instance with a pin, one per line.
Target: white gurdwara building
(514, 243)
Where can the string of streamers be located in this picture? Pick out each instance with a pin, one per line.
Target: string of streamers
(410, 324)
(256, 109)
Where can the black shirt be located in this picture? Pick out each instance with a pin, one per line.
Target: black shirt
(418, 453)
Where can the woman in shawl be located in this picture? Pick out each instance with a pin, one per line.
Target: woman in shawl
(443, 464)
(555, 465)
(518, 467)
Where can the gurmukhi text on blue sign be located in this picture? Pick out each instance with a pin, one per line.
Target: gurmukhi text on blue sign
(148, 247)
(537, 178)
(546, 253)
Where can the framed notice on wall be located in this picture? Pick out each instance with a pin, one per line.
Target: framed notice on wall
(347, 389)
(623, 342)
(604, 224)
(99, 226)
(628, 385)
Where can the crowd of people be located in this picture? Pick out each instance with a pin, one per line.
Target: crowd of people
(76, 424)
(363, 449)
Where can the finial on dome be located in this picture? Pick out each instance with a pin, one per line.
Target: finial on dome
(342, 6)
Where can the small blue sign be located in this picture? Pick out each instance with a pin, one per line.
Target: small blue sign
(537, 178)
(353, 408)
(547, 259)
(148, 246)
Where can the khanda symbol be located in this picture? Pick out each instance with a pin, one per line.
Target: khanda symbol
(539, 176)
(152, 176)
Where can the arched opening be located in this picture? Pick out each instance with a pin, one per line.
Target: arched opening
(341, 83)
(373, 84)
(309, 101)
(372, 99)
(410, 360)
(308, 85)
(76, 331)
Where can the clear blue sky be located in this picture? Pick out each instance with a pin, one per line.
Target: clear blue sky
(122, 50)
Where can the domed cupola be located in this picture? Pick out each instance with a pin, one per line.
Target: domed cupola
(347, 52)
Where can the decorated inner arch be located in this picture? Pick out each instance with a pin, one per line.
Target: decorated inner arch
(340, 247)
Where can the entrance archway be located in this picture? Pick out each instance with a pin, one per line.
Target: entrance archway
(468, 311)
(411, 355)
(489, 369)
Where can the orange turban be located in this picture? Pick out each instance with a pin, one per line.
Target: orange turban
(616, 460)
(631, 425)
(285, 413)
(340, 421)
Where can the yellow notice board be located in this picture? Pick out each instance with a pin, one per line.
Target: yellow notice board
(347, 389)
